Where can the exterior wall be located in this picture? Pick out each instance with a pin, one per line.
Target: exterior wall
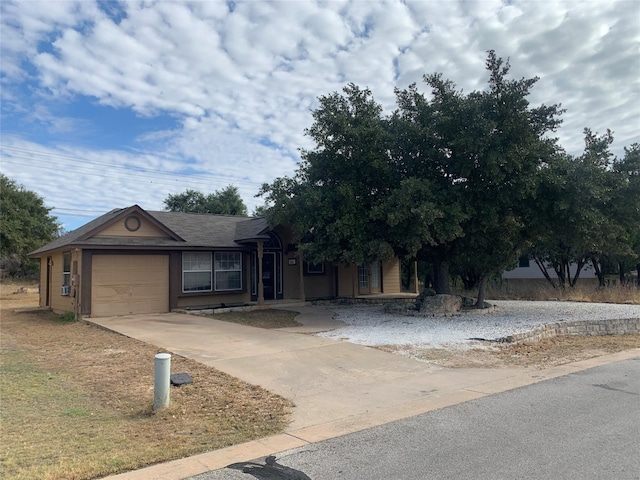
(533, 271)
(525, 283)
(391, 282)
(320, 285)
(146, 229)
(347, 281)
(42, 290)
(58, 302)
(291, 275)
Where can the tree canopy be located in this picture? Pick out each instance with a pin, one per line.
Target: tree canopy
(590, 211)
(26, 224)
(224, 202)
(448, 178)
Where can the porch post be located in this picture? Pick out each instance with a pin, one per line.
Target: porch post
(260, 284)
(416, 287)
(354, 280)
(301, 277)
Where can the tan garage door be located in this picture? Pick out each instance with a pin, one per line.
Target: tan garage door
(129, 284)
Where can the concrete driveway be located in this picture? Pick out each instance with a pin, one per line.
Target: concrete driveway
(337, 387)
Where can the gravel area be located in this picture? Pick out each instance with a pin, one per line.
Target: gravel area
(370, 325)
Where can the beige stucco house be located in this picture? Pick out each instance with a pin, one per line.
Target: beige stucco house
(131, 261)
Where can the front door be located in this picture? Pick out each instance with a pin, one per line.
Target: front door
(269, 275)
(369, 278)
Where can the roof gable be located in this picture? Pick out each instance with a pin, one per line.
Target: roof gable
(132, 222)
(161, 230)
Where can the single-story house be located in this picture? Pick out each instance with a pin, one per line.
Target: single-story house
(131, 261)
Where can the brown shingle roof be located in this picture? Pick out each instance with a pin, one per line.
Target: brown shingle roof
(186, 230)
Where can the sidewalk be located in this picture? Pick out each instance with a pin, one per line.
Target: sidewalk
(337, 387)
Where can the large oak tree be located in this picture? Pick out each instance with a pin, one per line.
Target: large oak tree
(449, 177)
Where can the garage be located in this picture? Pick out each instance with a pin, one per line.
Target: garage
(129, 284)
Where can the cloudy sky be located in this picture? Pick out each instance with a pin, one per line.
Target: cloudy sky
(107, 104)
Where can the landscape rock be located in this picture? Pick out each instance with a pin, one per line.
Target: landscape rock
(440, 304)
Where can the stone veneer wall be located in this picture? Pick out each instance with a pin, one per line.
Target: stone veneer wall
(579, 327)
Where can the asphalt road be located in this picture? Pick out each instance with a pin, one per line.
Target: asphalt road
(582, 426)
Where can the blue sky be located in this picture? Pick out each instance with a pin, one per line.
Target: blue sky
(108, 104)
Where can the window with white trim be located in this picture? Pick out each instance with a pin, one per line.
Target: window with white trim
(66, 273)
(363, 276)
(228, 271)
(196, 271)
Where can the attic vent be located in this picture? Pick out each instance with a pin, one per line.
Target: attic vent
(132, 223)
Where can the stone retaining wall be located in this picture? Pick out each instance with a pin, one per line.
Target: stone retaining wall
(579, 327)
(372, 300)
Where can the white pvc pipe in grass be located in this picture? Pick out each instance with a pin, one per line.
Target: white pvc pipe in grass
(162, 373)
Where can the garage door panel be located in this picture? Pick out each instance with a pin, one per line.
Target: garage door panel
(129, 284)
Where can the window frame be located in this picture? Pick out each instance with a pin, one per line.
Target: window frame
(217, 270)
(524, 262)
(185, 271)
(311, 268)
(66, 272)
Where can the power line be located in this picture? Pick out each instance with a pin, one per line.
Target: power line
(84, 166)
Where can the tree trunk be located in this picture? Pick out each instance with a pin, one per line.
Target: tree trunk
(441, 277)
(621, 272)
(482, 289)
(559, 269)
(599, 273)
(638, 275)
(544, 272)
(579, 266)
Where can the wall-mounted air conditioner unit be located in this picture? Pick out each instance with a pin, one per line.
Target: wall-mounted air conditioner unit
(66, 289)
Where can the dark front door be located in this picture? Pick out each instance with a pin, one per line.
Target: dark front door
(269, 275)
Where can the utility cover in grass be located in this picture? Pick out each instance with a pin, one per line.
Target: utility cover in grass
(178, 379)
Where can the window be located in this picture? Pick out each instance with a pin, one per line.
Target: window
(523, 262)
(196, 272)
(228, 271)
(66, 272)
(375, 275)
(315, 268)
(363, 276)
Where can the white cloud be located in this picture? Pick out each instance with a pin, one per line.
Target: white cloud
(240, 84)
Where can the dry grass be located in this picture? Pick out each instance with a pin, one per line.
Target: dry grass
(269, 318)
(537, 355)
(581, 293)
(77, 400)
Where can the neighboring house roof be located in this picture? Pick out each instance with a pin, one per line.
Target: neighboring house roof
(183, 230)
